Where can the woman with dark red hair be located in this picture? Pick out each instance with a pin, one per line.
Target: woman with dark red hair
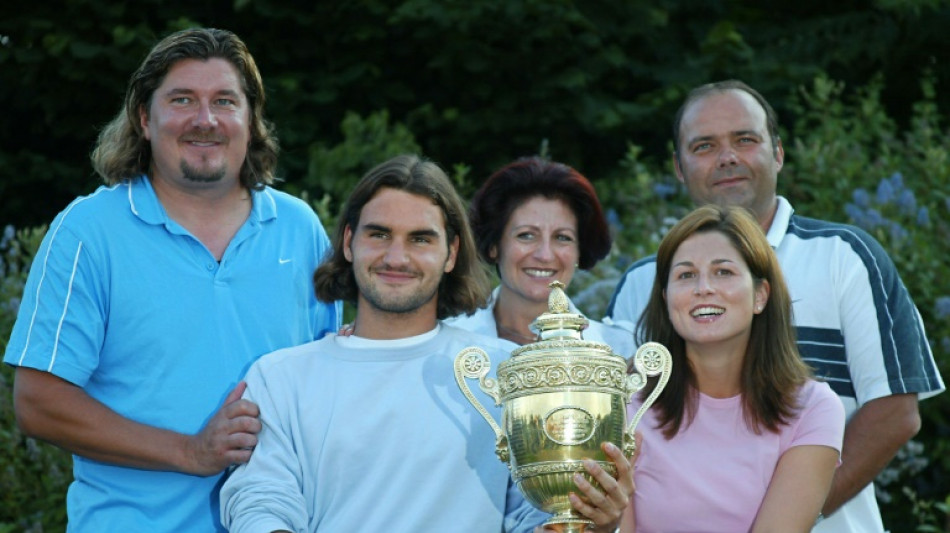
(537, 221)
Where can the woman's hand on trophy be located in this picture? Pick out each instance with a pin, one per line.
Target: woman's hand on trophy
(605, 507)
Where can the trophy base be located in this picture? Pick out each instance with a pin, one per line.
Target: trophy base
(569, 522)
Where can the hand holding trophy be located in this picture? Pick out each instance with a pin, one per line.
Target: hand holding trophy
(561, 397)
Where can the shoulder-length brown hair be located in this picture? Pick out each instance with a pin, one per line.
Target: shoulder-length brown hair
(772, 370)
(122, 151)
(464, 289)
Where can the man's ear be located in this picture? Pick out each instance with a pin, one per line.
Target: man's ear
(347, 240)
(453, 255)
(779, 155)
(676, 168)
(143, 122)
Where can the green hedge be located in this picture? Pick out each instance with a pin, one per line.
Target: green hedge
(846, 160)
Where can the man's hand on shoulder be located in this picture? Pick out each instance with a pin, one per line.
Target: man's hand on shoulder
(228, 438)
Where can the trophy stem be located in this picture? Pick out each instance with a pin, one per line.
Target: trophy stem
(569, 521)
(574, 528)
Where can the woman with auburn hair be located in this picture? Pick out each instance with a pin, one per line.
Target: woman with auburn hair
(537, 221)
(742, 438)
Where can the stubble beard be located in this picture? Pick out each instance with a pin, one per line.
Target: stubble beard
(405, 304)
(192, 174)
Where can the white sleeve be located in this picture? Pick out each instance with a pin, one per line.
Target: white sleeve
(632, 294)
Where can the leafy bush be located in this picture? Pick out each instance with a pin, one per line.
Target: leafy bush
(846, 160)
(33, 475)
(851, 162)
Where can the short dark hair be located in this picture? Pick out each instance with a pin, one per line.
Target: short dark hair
(519, 181)
(464, 289)
(771, 120)
(122, 151)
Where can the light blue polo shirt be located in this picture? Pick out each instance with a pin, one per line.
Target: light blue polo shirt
(124, 302)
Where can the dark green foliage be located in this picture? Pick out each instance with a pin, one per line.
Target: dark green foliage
(33, 475)
(475, 84)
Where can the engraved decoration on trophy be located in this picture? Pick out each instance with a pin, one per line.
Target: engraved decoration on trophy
(561, 397)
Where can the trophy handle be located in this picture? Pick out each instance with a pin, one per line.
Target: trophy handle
(473, 363)
(652, 358)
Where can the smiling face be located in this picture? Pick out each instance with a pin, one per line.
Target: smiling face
(726, 155)
(538, 245)
(710, 295)
(399, 252)
(197, 124)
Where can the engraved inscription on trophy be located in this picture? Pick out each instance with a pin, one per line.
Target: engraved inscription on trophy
(569, 425)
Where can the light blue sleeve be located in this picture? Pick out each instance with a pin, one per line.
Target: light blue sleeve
(521, 516)
(60, 324)
(266, 493)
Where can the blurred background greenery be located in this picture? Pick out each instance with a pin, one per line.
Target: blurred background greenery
(472, 85)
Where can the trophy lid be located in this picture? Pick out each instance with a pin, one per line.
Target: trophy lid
(559, 322)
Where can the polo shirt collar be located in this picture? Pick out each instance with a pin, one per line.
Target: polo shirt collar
(144, 203)
(779, 227)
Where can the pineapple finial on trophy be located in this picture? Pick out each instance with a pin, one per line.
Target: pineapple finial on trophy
(558, 321)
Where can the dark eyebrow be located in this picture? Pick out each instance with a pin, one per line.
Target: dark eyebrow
(701, 138)
(737, 133)
(424, 233)
(376, 227)
(744, 133)
(182, 90)
(413, 233)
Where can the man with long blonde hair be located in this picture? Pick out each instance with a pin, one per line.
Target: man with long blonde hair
(150, 298)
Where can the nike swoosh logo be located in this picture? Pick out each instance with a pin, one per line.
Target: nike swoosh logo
(284, 261)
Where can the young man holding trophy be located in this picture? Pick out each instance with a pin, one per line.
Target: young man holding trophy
(370, 432)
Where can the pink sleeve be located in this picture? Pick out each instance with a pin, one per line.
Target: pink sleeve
(821, 419)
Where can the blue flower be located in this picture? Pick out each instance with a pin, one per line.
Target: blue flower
(898, 233)
(923, 216)
(885, 192)
(613, 219)
(861, 197)
(664, 190)
(942, 307)
(907, 202)
(855, 214)
(897, 181)
(8, 234)
(874, 218)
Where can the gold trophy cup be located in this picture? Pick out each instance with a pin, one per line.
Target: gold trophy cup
(561, 397)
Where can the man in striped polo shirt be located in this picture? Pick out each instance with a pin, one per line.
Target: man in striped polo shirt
(857, 325)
